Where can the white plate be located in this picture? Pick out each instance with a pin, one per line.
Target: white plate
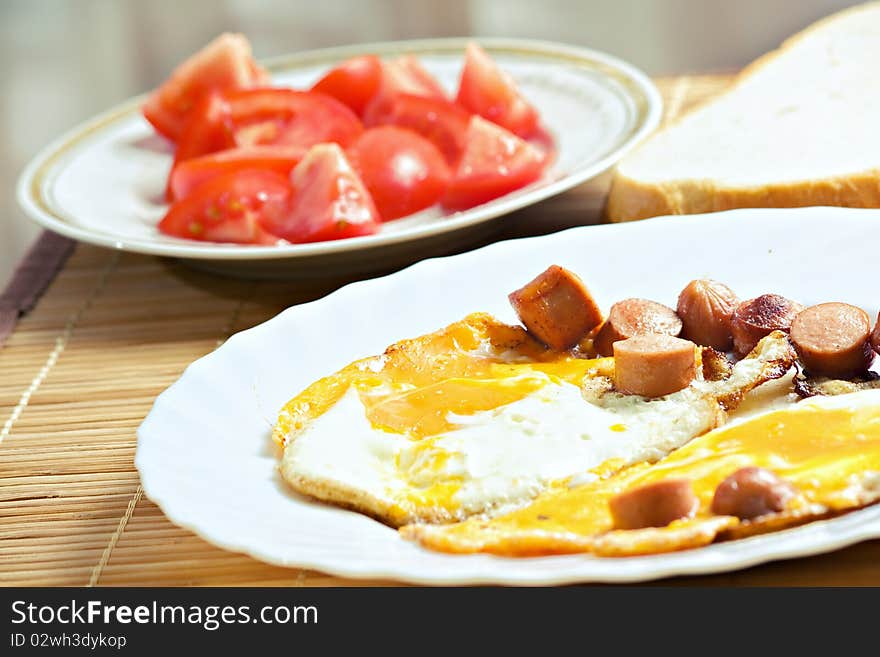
(103, 182)
(205, 455)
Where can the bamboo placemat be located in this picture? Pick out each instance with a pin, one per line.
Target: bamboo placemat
(112, 331)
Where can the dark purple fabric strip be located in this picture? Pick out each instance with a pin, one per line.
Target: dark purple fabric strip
(32, 276)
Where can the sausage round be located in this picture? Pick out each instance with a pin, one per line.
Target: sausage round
(756, 318)
(833, 340)
(653, 365)
(705, 308)
(556, 308)
(875, 336)
(751, 492)
(632, 317)
(653, 505)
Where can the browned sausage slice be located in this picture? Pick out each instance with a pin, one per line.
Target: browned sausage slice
(756, 318)
(875, 336)
(833, 340)
(654, 365)
(705, 308)
(632, 317)
(653, 505)
(556, 308)
(751, 492)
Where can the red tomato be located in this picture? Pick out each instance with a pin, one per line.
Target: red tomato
(225, 63)
(354, 82)
(494, 163)
(442, 123)
(403, 171)
(208, 129)
(290, 118)
(258, 117)
(490, 92)
(188, 175)
(230, 208)
(406, 75)
(329, 200)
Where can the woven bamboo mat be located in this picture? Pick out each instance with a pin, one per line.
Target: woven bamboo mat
(113, 330)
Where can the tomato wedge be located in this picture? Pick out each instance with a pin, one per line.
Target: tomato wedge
(290, 118)
(329, 200)
(406, 75)
(225, 63)
(495, 162)
(490, 92)
(439, 121)
(207, 129)
(403, 171)
(190, 174)
(354, 82)
(230, 208)
(259, 117)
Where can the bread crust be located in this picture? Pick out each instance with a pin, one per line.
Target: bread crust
(630, 199)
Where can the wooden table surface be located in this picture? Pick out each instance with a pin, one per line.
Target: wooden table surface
(113, 330)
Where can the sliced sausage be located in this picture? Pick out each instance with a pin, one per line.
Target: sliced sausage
(653, 365)
(833, 340)
(556, 308)
(653, 505)
(756, 318)
(875, 336)
(632, 317)
(705, 308)
(751, 492)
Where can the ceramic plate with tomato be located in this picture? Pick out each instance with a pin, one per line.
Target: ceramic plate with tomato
(107, 182)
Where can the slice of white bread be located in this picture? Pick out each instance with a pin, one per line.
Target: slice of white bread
(800, 126)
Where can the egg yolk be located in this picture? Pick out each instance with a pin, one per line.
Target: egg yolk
(425, 411)
(471, 366)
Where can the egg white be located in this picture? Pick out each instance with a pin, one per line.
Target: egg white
(504, 456)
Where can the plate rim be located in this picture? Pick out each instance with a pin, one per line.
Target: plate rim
(779, 549)
(31, 182)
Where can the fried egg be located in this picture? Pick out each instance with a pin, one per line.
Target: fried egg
(828, 448)
(480, 418)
